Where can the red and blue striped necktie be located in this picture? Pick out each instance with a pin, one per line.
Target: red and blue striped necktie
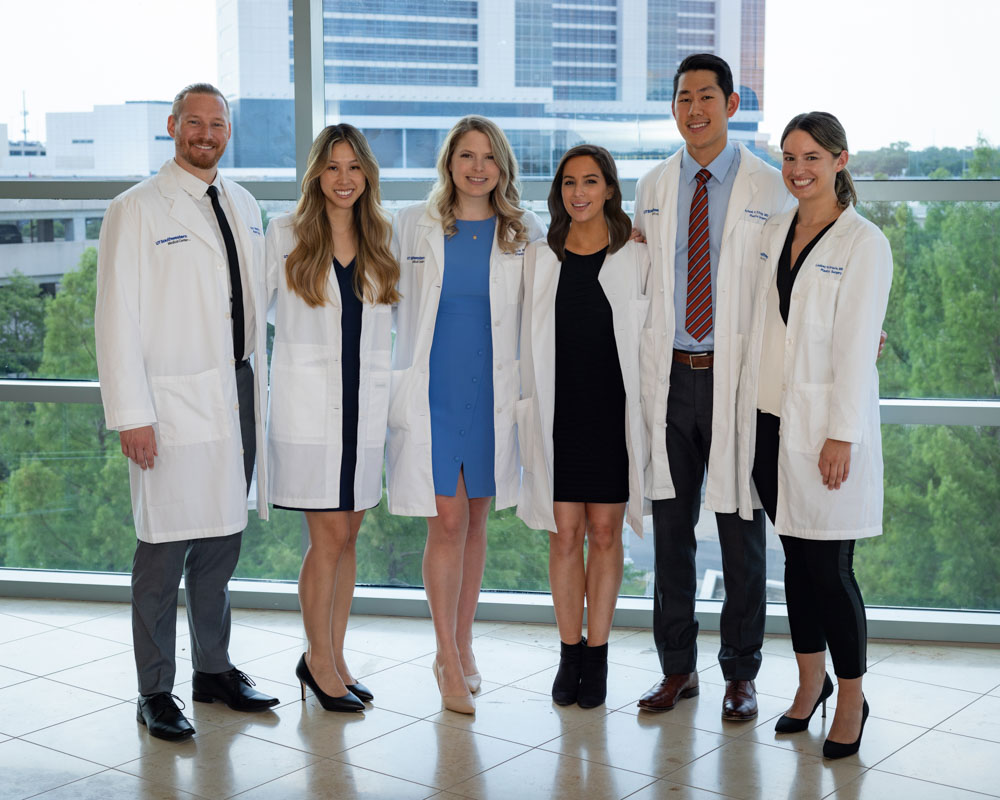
(698, 320)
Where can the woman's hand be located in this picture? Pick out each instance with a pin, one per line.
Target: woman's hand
(834, 462)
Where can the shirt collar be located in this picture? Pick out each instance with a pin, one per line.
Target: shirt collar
(719, 167)
(192, 184)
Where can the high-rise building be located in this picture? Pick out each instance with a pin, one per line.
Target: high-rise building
(552, 74)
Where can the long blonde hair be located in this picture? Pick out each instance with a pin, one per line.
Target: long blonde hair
(307, 268)
(505, 199)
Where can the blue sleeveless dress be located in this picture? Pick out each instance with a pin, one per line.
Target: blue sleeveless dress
(461, 366)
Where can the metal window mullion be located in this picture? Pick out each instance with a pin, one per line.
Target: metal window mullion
(310, 89)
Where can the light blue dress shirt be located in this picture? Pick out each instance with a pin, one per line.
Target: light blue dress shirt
(720, 187)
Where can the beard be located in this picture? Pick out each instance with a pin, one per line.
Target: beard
(202, 159)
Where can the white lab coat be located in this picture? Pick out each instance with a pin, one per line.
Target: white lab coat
(165, 354)
(623, 279)
(304, 440)
(830, 382)
(758, 193)
(409, 475)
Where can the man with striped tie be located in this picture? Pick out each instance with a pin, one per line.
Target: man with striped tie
(702, 212)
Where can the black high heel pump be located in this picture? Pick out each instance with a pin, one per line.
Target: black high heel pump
(838, 750)
(793, 725)
(348, 702)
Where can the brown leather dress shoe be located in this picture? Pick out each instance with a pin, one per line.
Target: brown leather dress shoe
(740, 702)
(664, 695)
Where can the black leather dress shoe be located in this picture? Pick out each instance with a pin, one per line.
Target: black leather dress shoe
(234, 688)
(160, 714)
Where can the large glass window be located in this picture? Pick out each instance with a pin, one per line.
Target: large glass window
(94, 85)
(553, 74)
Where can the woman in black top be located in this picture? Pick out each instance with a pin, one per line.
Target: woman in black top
(579, 424)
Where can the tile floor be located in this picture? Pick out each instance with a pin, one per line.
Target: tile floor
(68, 729)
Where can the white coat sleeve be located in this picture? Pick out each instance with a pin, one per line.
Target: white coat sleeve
(525, 363)
(641, 204)
(397, 252)
(644, 269)
(273, 266)
(857, 324)
(121, 367)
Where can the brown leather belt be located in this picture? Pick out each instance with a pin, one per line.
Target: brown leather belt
(694, 360)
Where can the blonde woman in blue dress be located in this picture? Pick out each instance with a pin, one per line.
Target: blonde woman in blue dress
(452, 442)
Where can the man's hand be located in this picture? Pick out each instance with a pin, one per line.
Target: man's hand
(636, 236)
(139, 444)
(881, 344)
(834, 462)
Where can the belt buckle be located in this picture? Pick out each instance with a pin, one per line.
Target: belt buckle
(692, 357)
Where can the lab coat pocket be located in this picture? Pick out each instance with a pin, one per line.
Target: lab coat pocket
(805, 417)
(377, 409)
(190, 409)
(525, 417)
(638, 310)
(300, 392)
(400, 399)
(819, 302)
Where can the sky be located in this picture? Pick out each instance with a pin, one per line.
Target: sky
(891, 70)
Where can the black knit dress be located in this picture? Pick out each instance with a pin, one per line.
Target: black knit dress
(588, 433)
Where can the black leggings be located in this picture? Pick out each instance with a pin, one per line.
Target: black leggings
(823, 598)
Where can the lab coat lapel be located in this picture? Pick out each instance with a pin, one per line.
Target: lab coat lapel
(186, 213)
(246, 244)
(744, 190)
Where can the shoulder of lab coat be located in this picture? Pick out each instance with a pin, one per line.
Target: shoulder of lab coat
(861, 306)
(652, 190)
(120, 364)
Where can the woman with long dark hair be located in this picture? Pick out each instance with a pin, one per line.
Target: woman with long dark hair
(579, 420)
(333, 274)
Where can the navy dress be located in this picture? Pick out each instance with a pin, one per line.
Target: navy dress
(461, 365)
(350, 365)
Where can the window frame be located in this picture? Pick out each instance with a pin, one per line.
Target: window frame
(309, 114)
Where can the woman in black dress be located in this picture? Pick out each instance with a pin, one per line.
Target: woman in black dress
(579, 424)
(333, 276)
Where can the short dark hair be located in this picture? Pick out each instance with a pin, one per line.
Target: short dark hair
(619, 224)
(709, 61)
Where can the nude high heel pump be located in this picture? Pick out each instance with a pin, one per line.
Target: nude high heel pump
(459, 703)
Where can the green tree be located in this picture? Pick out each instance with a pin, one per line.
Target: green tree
(65, 503)
(22, 325)
(942, 540)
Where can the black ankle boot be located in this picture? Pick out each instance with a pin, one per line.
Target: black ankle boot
(566, 686)
(594, 680)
